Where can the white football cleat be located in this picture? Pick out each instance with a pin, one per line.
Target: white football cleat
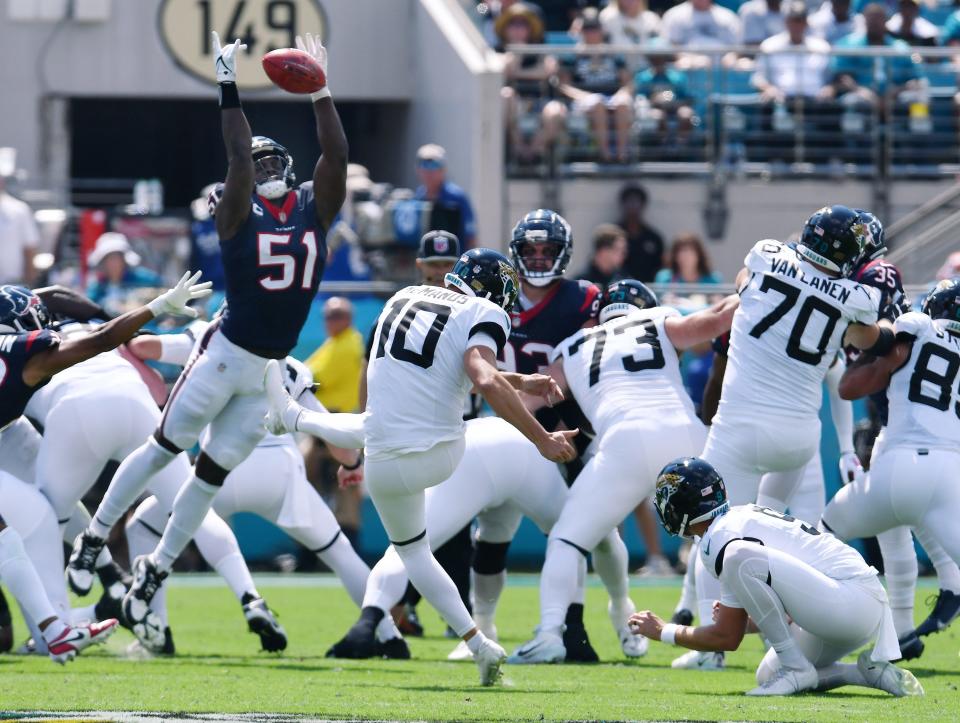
(546, 647)
(142, 620)
(461, 652)
(74, 639)
(489, 659)
(697, 660)
(787, 681)
(81, 567)
(283, 412)
(633, 646)
(887, 676)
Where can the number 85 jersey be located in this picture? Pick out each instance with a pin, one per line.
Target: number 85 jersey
(787, 332)
(626, 368)
(416, 381)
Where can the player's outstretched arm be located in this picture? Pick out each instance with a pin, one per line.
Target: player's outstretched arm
(481, 366)
(330, 173)
(862, 379)
(702, 326)
(115, 332)
(726, 632)
(234, 206)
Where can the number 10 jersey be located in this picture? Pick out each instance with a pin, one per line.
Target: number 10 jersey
(787, 332)
(416, 381)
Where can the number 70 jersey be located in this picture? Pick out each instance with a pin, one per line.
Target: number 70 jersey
(627, 368)
(416, 381)
(787, 332)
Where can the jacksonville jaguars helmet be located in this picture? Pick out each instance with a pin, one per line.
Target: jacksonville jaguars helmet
(874, 246)
(621, 297)
(689, 490)
(21, 310)
(487, 274)
(834, 238)
(943, 302)
(272, 168)
(537, 227)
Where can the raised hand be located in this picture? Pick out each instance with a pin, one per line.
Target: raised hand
(176, 299)
(225, 59)
(311, 45)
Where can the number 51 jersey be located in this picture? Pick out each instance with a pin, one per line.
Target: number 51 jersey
(787, 331)
(416, 381)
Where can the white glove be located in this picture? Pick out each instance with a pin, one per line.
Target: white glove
(176, 299)
(313, 46)
(226, 59)
(850, 468)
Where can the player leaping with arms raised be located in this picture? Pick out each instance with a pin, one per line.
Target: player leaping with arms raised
(273, 238)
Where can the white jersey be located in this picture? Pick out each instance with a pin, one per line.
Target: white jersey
(783, 533)
(416, 382)
(923, 394)
(787, 332)
(626, 368)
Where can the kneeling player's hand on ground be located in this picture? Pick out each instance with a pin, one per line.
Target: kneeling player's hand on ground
(850, 468)
(557, 447)
(645, 623)
(176, 299)
(542, 385)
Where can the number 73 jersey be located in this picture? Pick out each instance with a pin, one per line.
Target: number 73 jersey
(626, 369)
(416, 381)
(787, 332)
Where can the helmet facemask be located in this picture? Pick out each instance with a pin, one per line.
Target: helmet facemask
(273, 175)
(539, 260)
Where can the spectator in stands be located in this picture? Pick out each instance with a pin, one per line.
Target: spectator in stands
(630, 22)
(644, 243)
(534, 120)
(782, 76)
(490, 12)
(687, 263)
(452, 210)
(665, 89)
(599, 85)
(117, 272)
(18, 238)
(609, 255)
(908, 26)
(700, 23)
(760, 19)
(864, 77)
(337, 362)
(835, 20)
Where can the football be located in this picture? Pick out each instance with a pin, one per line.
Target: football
(294, 70)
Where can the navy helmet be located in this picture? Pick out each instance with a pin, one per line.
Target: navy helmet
(874, 245)
(621, 297)
(21, 310)
(689, 490)
(537, 227)
(834, 237)
(943, 302)
(272, 168)
(487, 274)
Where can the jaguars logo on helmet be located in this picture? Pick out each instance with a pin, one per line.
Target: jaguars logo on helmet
(21, 310)
(272, 167)
(834, 238)
(622, 297)
(542, 226)
(689, 491)
(943, 302)
(487, 274)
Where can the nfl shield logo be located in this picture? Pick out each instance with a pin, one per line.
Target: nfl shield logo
(441, 245)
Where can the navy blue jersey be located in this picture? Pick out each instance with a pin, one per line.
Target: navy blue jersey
(15, 351)
(273, 268)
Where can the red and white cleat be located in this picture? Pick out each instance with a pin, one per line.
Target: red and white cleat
(74, 639)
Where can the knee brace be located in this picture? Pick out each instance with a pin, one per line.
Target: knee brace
(490, 558)
(210, 472)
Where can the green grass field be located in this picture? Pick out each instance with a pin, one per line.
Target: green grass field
(218, 669)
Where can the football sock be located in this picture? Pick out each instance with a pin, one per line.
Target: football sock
(486, 595)
(688, 592)
(558, 583)
(387, 582)
(611, 563)
(20, 577)
(346, 563)
(387, 629)
(900, 569)
(836, 675)
(948, 574)
(220, 549)
(54, 630)
(435, 585)
(191, 506)
(127, 484)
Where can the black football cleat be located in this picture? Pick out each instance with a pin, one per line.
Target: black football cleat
(682, 617)
(393, 649)
(261, 620)
(945, 611)
(911, 646)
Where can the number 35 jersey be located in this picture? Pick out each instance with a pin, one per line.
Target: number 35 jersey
(416, 381)
(626, 369)
(923, 394)
(787, 331)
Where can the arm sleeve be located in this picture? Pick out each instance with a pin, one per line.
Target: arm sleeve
(841, 410)
(175, 348)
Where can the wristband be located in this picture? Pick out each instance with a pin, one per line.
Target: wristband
(668, 634)
(229, 97)
(884, 343)
(324, 92)
(355, 464)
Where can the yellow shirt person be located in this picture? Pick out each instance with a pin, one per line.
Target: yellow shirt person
(337, 364)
